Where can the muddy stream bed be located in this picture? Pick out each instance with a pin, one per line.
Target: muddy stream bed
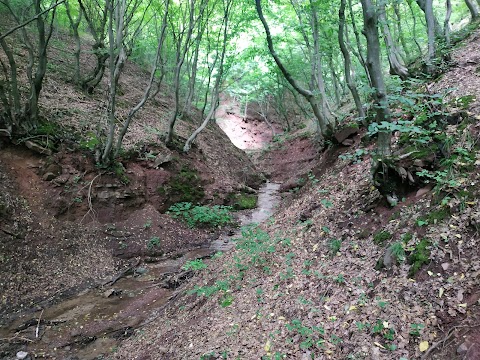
(92, 323)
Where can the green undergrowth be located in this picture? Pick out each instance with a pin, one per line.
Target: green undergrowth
(185, 186)
(202, 216)
(243, 201)
(381, 237)
(419, 257)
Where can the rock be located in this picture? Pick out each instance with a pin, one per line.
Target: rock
(348, 142)
(37, 148)
(345, 133)
(22, 355)
(141, 270)
(423, 191)
(62, 179)
(445, 266)
(54, 169)
(388, 259)
(419, 163)
(462, 349)
(163, 157)
(48, 176)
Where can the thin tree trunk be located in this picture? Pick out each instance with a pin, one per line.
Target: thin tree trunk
(446, 24)
(359, 52)
(74, 24)
(148, 89)
(347, 61)
(218, 80)
(323, 127)
(396, 67)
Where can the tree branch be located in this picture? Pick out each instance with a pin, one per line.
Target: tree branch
(31, 20)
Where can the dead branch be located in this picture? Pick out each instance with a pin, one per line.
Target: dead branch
(90, 206)
(38, 324)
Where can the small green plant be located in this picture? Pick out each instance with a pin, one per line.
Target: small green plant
(398, 252)
(334, 246)
(310, 335)
(194, 265)
(312, 178)
(356, 157)
(148, 224)
(78, 200)
(415, 329)
(226, 300)
(340, 279)
(381, 237)
(153, 242)
(419, 256)
(326, 203)
(215, 216)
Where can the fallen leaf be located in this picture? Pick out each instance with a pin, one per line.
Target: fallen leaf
(268, 346)
(423, 346)
(463, 305)
(379, 345)
(440, 292)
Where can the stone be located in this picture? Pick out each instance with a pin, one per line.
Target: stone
(49, 176)
(345, 133)
(462, 349)
(54, 169)
(445, 266)
(163, 157)
(423, 191)
(419, 163)
(348, 142)
(37, 148)
(22, 355)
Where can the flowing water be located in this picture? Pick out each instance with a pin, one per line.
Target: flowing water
(95, 321)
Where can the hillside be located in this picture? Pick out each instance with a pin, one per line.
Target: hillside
(268, 239)
(321, 280)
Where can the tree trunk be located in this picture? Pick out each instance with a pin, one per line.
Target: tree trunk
(74, 24)
(370, 19)
(473, 10)
(347, 61)
(323, 126)
(218, 80)
(446, 24)
(396, 67)
(148, 89)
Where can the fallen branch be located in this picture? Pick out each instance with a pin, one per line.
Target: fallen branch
(16, 338)
(90, 206)
(16, 236)
(38, 324)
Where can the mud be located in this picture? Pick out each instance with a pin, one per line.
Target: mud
(92, 323)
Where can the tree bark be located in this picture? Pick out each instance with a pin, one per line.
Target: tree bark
(370, 19)
(323, 127)
(347, 62)
(473, 10)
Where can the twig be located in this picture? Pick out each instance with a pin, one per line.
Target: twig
(16, 338)
(90, 206)
(38, 324)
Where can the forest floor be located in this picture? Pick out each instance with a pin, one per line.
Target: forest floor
(92, 266)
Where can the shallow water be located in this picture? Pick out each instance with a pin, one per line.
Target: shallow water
(93, 323)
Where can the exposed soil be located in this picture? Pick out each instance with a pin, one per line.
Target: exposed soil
(92, 266)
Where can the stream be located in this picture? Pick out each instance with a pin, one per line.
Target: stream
(93, 323)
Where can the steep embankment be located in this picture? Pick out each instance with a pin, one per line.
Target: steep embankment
(68, 226)
(338, 273)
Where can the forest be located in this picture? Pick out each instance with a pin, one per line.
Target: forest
(239, 179)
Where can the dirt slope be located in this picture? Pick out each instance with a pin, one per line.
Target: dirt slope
(310, 283)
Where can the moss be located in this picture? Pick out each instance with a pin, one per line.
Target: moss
(435, 216)
(381, 237)
(419, 257)
(245, 201)
(185, 186)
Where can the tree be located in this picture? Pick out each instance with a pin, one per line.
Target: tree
(347, 61)
(16, 118)
(325, 128)
(370, 18)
